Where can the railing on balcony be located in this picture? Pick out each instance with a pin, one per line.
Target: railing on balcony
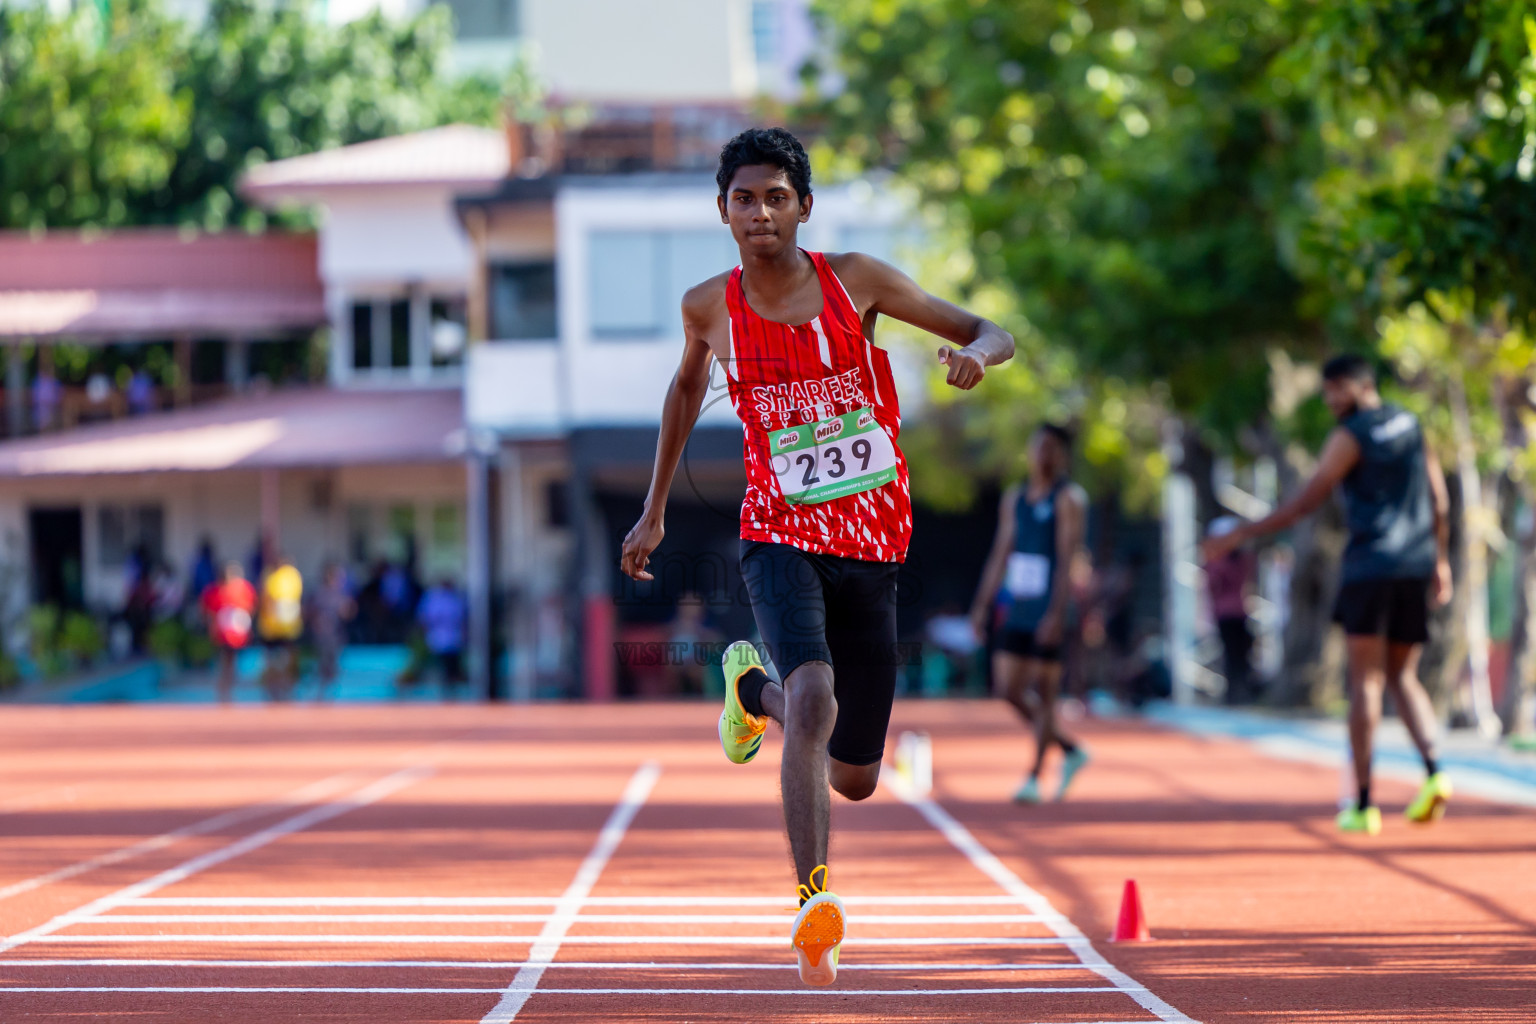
(625, 140)
(78, 405)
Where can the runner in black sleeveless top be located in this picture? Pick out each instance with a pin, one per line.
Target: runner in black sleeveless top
(1039, 530)
(1394, 566)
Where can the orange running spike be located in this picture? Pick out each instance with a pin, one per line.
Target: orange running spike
(1132, 926)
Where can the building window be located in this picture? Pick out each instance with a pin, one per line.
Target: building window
(523, 302)
(637, 278)
(486, 19)
(446, 530)
(123, 530)
(360, 534)
(400, 334)
(362, 335)
(449, 332)
(401, 540)
(388, 337)
(765, 30)
(446, 555)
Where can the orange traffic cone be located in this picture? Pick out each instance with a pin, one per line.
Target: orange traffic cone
(1132, 926)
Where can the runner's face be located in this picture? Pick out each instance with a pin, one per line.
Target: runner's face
(1044, 454)
(1342, 396)
(763, 209)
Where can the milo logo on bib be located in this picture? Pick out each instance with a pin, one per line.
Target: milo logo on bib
(836, 457)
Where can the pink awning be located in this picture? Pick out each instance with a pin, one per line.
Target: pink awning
(312, 427)
(157, 283)
(166, 311)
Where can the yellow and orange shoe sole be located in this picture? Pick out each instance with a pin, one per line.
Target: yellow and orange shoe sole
(818, 933)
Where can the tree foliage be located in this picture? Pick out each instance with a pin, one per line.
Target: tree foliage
(143, 119)
(91, 116)
(1126, 169)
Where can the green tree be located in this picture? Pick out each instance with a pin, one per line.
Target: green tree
(141, 119)
(1423, 244)
(272, 81)
(91, 113)
(1126, 170)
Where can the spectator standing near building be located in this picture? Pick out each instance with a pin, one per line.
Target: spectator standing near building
(281, 623)
(690, 638)
(1228, 580)
(140, 393)
(330, 610)
(205, 570)
(229, 605)
(442, 614)
(46, 398)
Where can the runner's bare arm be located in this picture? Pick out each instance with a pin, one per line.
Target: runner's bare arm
(876, 287)
(685, 396)
(1339, 457)
(997, 561)
(1069, 538)
(1440, 504)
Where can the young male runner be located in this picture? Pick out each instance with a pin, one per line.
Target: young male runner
(1394, 565)
(827, 513)
(1039, 531)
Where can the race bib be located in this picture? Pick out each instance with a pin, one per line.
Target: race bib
(1028, 575)
(832, 458)
(233, 626)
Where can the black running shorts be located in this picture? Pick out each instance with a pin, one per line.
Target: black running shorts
(841, 611)
(1022, 643)
(1396, 609)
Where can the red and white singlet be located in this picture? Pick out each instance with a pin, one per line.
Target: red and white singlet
(824, 473)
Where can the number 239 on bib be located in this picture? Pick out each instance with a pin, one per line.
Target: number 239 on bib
(832, 458)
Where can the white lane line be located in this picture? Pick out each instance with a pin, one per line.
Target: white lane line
(306, 794)
(988, 864)
(813, 992)
(769, 919)
(681, 900)
(584, 965)
(569, 940)
(371, 793)
(547, 944)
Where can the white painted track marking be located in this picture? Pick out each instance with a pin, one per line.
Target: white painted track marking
(306, 794)
(681, 900)
(371, 793)
(570, 940)
(988, 864)
(769, 919)
(547, 943)
(813, 992)
(584, 965)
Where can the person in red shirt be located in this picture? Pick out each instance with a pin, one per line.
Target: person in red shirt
(230, 605)
(827, 513)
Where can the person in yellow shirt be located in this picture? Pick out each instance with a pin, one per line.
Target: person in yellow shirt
(281, 622)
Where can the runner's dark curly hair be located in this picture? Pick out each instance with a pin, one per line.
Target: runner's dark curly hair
(1349, 366)
(1060, 431)
(773, 146)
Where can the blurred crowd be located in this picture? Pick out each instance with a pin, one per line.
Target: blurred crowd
(301, 627)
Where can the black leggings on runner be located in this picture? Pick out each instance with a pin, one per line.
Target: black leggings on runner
(841, 611)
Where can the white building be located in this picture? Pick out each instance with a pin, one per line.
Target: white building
(678, 51)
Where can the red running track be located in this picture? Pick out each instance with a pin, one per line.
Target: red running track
(560, 863)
